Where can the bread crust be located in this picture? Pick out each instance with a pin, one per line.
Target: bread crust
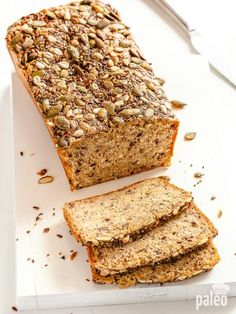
(198, 261)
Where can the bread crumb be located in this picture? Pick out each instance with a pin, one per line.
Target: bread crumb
(198, 175)
(73, 255)
(42, 172)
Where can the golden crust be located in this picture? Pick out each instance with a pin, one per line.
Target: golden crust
(201, 260)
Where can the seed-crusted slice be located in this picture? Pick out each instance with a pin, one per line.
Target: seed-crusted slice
(123, 215)
(189, 265)
(173, 238)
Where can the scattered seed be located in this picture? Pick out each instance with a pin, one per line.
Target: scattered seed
(87, 279)
(46, 265)
(14, 308)
(22, 153)
(60, 236)
(213, 198)
(190, 136)
(46, 179)
(36, 207)
(219, 214)
(42, 172)
(63, 257)
(46, 230)
(198, 175)
(176, 104)
(28, 231)
(73, 255)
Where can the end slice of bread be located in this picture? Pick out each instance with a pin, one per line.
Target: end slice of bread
(177, 236)
(189, 265)
(123, 215)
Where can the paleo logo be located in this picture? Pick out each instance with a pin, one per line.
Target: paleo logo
(216, 297)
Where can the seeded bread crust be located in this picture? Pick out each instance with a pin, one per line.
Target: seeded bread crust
(92, 86)
(198, 261)
(124, 215)
(175, 237)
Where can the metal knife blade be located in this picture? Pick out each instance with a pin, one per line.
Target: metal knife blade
(219, 62)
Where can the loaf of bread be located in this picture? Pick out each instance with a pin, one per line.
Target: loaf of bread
(178, 235)
(187, 266)
(102, 104)
(124, 215)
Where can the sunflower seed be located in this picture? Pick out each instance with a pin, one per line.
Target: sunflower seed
(40, 65)
(52, 39)
(37, 80)
(219, 214)
(27, 43)
(63, 28)
(131, 112)
(99, 42)
(64, 65)
(46, 179)
(78, 133)
(146, 66)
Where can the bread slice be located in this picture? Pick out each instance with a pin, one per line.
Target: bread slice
(189, 265)
(177, 236)
(123, 215)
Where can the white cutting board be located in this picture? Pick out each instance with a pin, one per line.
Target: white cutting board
(63, 282)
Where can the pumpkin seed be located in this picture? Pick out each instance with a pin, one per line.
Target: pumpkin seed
(189, 136)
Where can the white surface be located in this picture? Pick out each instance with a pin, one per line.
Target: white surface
(224, 105)
(63, 283)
